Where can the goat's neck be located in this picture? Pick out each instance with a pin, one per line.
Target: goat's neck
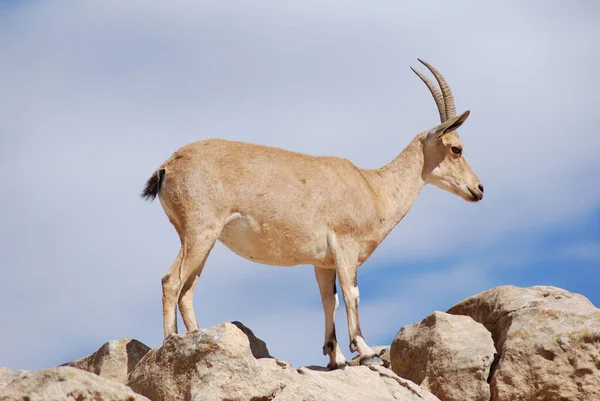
(400, 182)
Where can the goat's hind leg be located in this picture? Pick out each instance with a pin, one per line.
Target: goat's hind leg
(170, 307)
(186, 297)
(180, 279)
(329, 298)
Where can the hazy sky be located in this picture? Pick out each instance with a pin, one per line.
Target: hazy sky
(95, 95)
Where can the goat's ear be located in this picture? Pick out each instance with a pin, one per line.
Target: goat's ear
(450, 125)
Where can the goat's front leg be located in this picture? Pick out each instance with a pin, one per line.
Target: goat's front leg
(329, 298)
(346, 259)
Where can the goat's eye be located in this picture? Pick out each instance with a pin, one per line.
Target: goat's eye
(456, 150)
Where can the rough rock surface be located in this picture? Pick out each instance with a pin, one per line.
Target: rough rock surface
(114, 360)
(65, 383)
(217, 364)
(374, 383)
(448, 355)
(548, 342)
(6, 376)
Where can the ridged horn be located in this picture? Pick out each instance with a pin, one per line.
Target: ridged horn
(446, 92)
(435, 92)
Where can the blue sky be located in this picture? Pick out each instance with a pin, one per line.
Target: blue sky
(96, 95)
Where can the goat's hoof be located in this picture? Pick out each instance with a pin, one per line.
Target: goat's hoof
(169, 336)
(371, 360)
(335, 365)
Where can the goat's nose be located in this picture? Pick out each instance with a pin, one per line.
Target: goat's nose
(480, 187)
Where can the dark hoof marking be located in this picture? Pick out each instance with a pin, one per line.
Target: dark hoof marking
(334, 366)
(353, 346)
(327, 348)
(371, 360)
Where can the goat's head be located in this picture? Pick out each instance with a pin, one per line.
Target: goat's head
(445, 165)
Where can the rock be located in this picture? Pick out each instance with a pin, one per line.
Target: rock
(382, 351)
(65, 383)
(449, 355)
(114, 360)
(350, 384)
(257, 346)
(218, 364)
(6, 376)
(548, 342)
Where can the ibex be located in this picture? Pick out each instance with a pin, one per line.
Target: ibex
(282, 208)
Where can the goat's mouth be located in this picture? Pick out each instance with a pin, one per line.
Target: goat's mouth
(475, 196)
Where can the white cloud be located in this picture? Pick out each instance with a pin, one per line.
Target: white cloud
(584, 251)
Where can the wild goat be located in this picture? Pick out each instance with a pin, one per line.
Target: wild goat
(283, 208)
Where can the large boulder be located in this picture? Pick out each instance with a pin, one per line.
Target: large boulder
(114, 360)
(218, 364)
(65, 383)
(548, 342)
(449, 355)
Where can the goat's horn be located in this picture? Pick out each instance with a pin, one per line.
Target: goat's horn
(435, 91)
(448, 98)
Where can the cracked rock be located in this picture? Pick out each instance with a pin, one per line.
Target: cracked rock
(548, 342)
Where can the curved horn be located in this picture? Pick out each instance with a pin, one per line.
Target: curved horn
(435, 91)
(448, 98)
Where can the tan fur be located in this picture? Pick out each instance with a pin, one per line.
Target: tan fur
(282, 208)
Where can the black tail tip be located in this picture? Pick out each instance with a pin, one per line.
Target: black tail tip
(153, 185)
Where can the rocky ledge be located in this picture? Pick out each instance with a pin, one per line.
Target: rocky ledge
(508, 343)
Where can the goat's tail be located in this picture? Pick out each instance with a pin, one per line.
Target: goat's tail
(153, 185)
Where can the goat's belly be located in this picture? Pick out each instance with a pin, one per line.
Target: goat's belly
(270, 244)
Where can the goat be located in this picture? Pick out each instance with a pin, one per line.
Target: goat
(283, 208)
